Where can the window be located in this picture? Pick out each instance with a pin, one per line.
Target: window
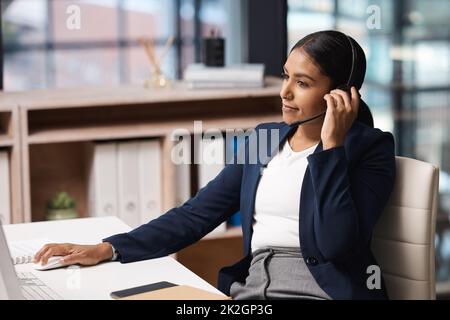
(40, 51)
(305, 17)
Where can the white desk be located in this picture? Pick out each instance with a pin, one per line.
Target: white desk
(98, 281)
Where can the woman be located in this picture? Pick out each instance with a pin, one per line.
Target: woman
(308, 212)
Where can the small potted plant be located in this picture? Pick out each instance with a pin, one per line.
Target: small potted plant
(61, 206)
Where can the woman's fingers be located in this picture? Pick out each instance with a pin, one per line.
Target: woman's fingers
(52, 251)
(47, 255)
(41, 252)
(341, 113)
(330, 102)
(49, 251)
(73, 254)
(340, 103)
(345, 97)
(346, 102)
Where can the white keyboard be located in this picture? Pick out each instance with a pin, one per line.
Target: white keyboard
(34, 289)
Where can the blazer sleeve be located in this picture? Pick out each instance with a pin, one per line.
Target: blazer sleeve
(348, 204)
(184, 225)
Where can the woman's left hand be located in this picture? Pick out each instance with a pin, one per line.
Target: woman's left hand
(342, 111)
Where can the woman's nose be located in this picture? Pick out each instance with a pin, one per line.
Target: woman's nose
(286, 92)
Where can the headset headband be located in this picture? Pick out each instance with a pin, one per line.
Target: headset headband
(350, 81)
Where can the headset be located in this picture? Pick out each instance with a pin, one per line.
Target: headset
(346, 87)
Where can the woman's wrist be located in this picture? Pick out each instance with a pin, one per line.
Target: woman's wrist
(105, 250)
(330, 145)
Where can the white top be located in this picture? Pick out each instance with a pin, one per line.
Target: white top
(277, 202)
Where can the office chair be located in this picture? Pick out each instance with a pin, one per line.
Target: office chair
(403, 239)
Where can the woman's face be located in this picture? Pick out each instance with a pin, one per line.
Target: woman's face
(304, 87)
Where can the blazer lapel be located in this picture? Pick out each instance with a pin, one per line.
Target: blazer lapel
(306, 207)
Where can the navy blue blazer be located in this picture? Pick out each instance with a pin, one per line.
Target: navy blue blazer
(344, 191)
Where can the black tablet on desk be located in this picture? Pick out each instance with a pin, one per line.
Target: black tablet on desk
(141, 289)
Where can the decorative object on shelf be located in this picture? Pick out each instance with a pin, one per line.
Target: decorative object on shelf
(158, 79)
(214, 50)
(60, 207)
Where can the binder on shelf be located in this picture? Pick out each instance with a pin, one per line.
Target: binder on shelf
(150, 193)
(125, 181)
(5, 191)
(128, 182)
(183, 172)
(102, 188)
(211, 162)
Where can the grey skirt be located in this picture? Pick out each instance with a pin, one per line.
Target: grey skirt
(278, 273)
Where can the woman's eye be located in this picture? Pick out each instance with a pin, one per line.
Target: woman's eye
(284, 76)
(302, 84)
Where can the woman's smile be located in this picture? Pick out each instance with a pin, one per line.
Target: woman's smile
(287, 108)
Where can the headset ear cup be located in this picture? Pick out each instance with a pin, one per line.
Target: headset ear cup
(345, 88)
(348, 90)
(364, 114)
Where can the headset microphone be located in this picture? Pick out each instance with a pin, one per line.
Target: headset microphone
(299, 123)
(346, 87)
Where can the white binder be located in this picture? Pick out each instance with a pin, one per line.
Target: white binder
(183, 173)
(128, 182)
(211, 162)
(102, 189)
(5, 191)
(150, 193)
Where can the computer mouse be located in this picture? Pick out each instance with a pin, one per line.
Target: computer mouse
(52, 263)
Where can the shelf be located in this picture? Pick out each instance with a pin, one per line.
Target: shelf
(117, 131)
(58, 167)
(108, 113)
(108, 96)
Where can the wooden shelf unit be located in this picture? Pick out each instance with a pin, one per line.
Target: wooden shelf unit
(51, 133)
(59, 126)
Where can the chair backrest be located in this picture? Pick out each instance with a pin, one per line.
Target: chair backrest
(403, 239)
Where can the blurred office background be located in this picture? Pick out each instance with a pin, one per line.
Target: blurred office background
(407, 83)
